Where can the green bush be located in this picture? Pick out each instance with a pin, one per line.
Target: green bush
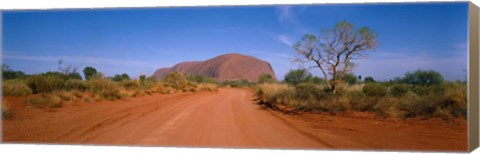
(266, 78)
(350, 78)
(75, 84)
(120, 77)
(375, 89)
(370, 79)
(103, 89)
(295, 77)
(9, 74)
(45, 83)
(399, 90)
(15, 87)
(423, 78)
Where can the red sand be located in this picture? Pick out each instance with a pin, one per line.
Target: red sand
(228, 118)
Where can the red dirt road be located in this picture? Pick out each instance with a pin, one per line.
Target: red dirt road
(228, 118)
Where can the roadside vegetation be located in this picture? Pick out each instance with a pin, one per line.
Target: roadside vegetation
(55, 89)
(421, 94)
(414, 95)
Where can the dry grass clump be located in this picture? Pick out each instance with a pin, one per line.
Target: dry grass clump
(75, 84)
(104, 89)
(46, 100)
(270, 94)
(179, 82)
(400, 101)
(44, 83)
(16, 87)
(207, 87)
(129, 84)
(7, 111)
(66, 96)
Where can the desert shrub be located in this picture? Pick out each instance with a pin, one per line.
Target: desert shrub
(310, 91)
(138, 93)
(45, 100)
(375, 89)
(103, 89)
(9, 74)
(387, 107)
(399, 90)
(76, 93)
(159, 88)
(295, 77)
(421, 90)
(207, 87)
(148, 84)
(75, 84)
(416, 106)
(350, 78)
(7, 111)
(360, 101)
(265, 78)
(129, 84)
(271, 94)
(66, 96)
(15, 87)
(455, 99)
(45, 83)
(178, 81)
(120, 77)
(237, 83)
(89, 72)
(86, 100)
(316, 80)
(423, 78)
(369, 79)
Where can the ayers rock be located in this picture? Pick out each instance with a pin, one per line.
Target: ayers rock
(224, 67)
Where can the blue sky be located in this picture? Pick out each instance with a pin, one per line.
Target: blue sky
(135, 41)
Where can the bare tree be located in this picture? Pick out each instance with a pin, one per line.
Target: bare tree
(334, 49)
(69, 69)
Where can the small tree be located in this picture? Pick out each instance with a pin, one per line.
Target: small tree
(11, 74)
(89, 72)
(121, 77)
(350, 78)
(69, 71)
(295, 77)
(423, 78)
(333, 51)
(369, 79)
(265, 78)
(142, 81)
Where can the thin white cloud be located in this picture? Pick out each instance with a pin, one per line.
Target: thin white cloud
(85, 60)
(285, 40)
(285, 13)
(460, 46)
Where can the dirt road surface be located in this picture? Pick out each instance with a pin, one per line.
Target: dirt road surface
(228, 118)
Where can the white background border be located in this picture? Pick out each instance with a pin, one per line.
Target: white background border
(84, 149)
